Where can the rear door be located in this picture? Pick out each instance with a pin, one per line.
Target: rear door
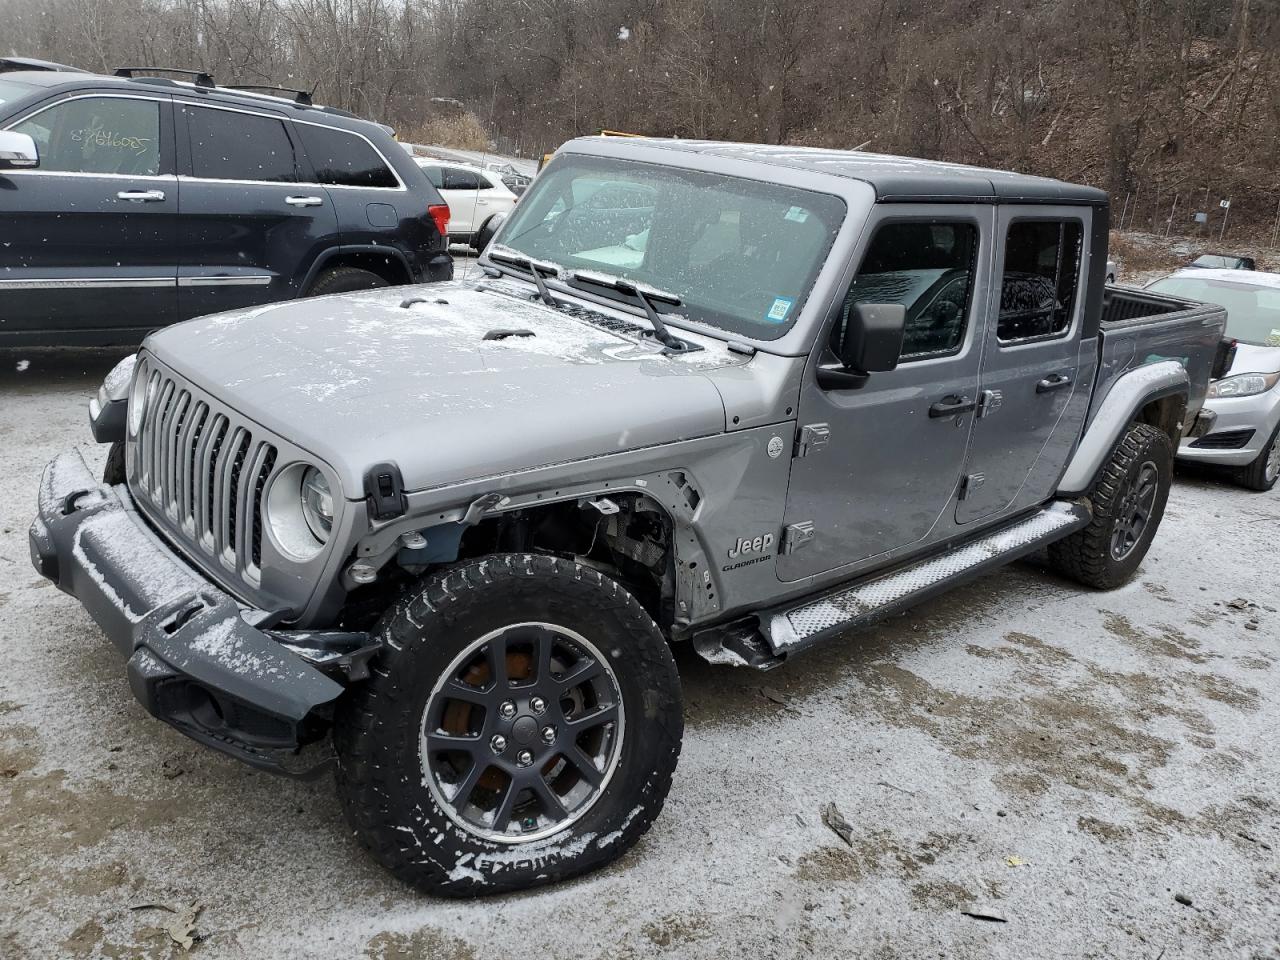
(372, 203)
(459, 188)
(89, 235)
(252, 223)
(1032, 399)
(885, 478)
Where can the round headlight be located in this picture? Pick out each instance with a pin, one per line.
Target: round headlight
(138, 397)
(317, 504)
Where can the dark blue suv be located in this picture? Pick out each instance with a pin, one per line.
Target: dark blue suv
(131, 202)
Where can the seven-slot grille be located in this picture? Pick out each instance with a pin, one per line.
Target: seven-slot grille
(200, 467)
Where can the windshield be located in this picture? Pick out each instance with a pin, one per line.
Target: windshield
(11, 90)
(741, 254)
(1253, 312)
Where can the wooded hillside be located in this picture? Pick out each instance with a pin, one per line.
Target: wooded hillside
(1151, 99)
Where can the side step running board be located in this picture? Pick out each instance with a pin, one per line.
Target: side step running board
(785, 629)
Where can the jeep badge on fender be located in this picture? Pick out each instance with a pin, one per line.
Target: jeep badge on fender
(753, 545)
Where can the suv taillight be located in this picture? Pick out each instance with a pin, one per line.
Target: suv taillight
(439, 212)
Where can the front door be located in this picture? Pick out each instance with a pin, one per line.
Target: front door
(251, 223)
(88, 235)
(1032, 400)
(895, 448)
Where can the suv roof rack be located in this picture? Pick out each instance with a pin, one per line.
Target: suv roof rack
(9, 64)
(300, 97)
(202, 78)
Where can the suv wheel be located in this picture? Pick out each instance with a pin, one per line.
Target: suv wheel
(1128, 499)
(521, 726)
(1261, 475)
(344, 280)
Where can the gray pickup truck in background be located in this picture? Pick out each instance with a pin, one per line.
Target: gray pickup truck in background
(738, 396)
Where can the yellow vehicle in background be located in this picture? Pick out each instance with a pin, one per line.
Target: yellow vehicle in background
(599, 133)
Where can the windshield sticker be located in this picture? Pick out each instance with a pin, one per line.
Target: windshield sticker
(796, 215)
(1273, 338)
(778, 312)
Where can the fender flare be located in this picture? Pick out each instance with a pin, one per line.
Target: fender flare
(1128, 395)
(343, 250)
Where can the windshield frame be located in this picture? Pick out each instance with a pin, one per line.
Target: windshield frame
(844, 200)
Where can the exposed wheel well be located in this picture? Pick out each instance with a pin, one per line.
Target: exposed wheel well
(633, 544)
(388, 267)
(1166, 414)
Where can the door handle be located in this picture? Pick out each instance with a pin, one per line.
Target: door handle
(304, 201)
(141, 196)
(1053, 382)
(950, 406)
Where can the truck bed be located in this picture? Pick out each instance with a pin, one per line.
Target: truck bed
(1140, 327)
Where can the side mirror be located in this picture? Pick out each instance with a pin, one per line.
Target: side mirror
(873, 337)
(871, 343)
(489, 228)
(17, 151)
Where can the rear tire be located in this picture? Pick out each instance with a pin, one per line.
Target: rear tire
(432, 722)
(1262, 474)
(1128, 500)
(345, 280)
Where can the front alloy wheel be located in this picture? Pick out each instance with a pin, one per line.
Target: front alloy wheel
(522, 732)
(1262, 474)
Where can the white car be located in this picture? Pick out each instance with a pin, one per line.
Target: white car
(1246, 402)
(473, 196)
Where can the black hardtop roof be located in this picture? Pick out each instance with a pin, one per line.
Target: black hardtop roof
(892, 178)
(227, 95)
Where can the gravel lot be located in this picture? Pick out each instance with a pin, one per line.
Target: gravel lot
(1100, 771)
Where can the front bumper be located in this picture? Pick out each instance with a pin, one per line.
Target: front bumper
(1234, 418)
(195, 660)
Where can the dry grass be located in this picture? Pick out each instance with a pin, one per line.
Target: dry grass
(1149, 253)
(461, 131)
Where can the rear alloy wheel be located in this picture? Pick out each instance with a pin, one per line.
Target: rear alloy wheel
(1262, 474)
(521, 726)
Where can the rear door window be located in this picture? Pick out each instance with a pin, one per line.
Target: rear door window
(108, 135)
(1041, 273)
(435, 175)
(457, 179)
(232, 145)
(343, 159)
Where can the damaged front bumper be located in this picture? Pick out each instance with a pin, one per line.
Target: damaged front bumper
(197, 658)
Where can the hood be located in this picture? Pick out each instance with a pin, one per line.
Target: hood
(1252, 358)
(357, 379)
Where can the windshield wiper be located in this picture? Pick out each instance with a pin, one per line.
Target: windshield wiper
(536, 268)
(648, 296)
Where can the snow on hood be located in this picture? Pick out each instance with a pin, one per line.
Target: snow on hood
(357, 379)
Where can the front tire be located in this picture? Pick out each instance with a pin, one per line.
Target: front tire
(521, 726)
(1262, 474)
(1128, 500)
(113, 471)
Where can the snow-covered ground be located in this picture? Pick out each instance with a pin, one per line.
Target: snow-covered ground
(1068, 762)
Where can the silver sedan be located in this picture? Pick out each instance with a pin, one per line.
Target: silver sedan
(1246, 433)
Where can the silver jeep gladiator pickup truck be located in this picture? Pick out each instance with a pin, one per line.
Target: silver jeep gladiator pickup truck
(737, 396)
